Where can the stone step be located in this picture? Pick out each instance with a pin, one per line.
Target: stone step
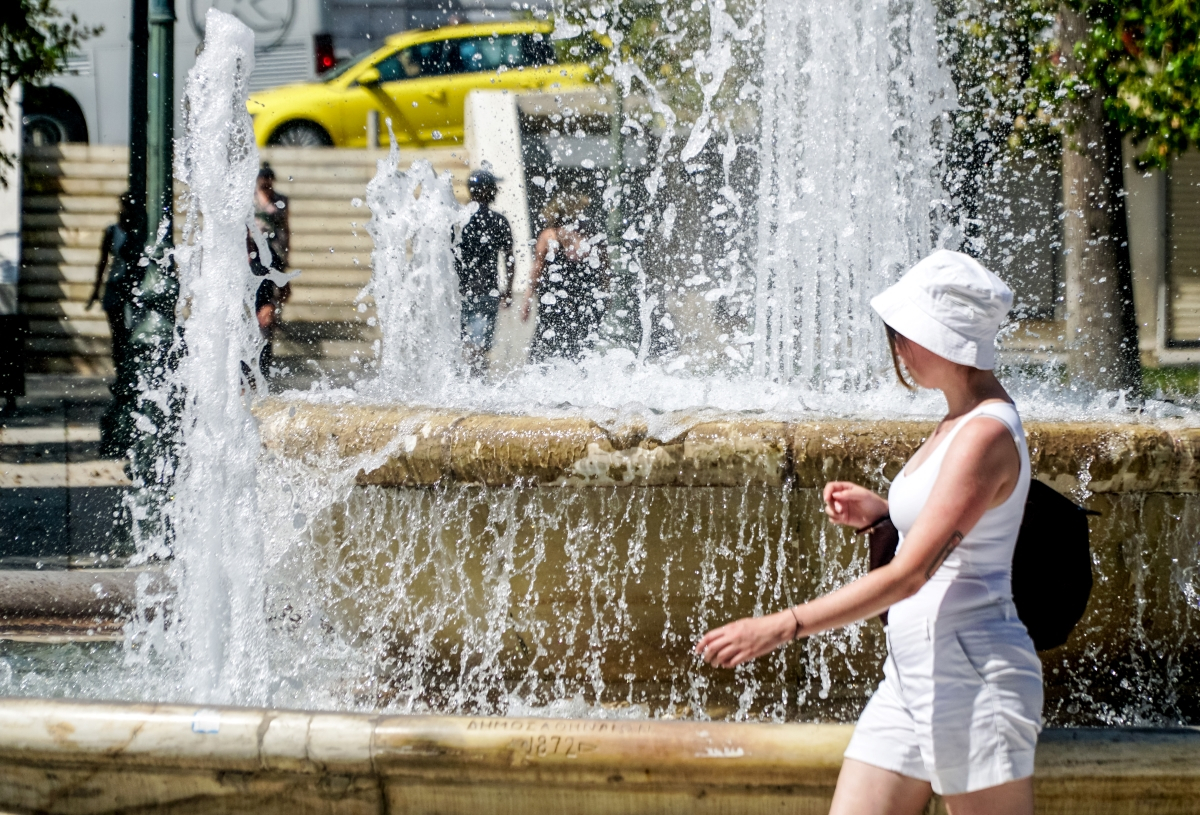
(42, 345)
(330, 208)
(73, 256)
(74, 185)
(63, 236)
(50, 273)
(318, 241)
(81, 169)
(34, 220)
(322, 295)
(330, 223)
(37, 293)
(71, 197)
(72, 310)
(287, 156)
(95, 327)
(329, 260)
(74, 151)
(353, 276)
(326, 349)
(106, 204)
(305, 313)
(338, 237)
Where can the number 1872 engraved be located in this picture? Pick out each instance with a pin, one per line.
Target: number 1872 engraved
(551, 747)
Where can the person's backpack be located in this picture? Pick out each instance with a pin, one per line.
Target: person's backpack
(1052, 564)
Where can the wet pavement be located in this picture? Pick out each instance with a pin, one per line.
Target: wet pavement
(60, 502)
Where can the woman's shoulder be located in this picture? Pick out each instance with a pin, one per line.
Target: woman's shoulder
(1003, 410)
(989, 429)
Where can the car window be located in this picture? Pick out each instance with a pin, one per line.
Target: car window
(539, 50)
(488, 53)
(343, 66)
(584, 48)
(426, 59)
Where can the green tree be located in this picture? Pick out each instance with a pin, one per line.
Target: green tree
(34, 41)
(1088, 73)
(1121, 68)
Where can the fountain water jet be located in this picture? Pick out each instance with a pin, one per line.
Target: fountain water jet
(216, 620)
(849, 189)
(446, 560)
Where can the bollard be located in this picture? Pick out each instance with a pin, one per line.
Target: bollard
(372, 129)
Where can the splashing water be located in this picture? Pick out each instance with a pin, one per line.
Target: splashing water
(296, 588)
(217, 620)
(413, 282)
(849, 184)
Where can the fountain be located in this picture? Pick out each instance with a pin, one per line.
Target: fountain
(485, 592)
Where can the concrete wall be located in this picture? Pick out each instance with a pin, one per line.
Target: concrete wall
(65, 757)
(1155, 232)
(10, 207)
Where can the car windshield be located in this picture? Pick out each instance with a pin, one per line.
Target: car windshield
(345, 65)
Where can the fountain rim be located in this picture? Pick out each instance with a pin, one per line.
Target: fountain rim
(121, 749)
(404, 446)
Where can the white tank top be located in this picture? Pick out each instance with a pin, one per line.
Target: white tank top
(979, 571)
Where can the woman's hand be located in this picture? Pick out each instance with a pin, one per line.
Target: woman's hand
(525, 309)
(266, 317)
(851, 505)
(748, 638)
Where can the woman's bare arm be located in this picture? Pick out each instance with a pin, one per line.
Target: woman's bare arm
(980, 471)
(540, 251)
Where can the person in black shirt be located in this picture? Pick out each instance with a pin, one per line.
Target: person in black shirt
(271, 214)
(486, 235)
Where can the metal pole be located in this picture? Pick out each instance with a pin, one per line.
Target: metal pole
(116, 425)
(160, 124)
(138, 35)
(152, 343)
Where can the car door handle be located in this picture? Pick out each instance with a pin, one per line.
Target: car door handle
(437, 96)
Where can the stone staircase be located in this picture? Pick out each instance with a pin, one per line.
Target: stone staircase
(70, 195)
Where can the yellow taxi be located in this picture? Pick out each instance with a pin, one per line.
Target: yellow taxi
(420, 80)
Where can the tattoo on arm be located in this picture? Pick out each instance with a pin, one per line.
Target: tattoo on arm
(947, 548)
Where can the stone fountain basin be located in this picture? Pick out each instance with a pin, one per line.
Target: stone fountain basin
(482, 497)
(80, 758)
(428, 447)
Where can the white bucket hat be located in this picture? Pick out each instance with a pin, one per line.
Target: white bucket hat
(949, 304)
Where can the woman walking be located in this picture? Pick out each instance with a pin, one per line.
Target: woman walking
(959, 709)
(570, 279)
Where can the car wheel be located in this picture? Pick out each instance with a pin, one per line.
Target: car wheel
(300, 134)
(42, 130)
(51, 116)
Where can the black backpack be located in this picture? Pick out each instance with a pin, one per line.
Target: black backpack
(1052, 564)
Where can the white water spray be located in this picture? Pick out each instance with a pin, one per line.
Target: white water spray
(850, 180)
(413, 280)
(428, 600)
(215, 516)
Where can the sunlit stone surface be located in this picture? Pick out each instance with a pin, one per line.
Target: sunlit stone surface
(64, 757)
(496, 560)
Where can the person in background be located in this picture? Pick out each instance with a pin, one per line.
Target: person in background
(118, 307)
(486, 236)
(570, 279)
(271, 214)
(119, 291)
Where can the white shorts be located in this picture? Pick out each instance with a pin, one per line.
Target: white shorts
(960, 705)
